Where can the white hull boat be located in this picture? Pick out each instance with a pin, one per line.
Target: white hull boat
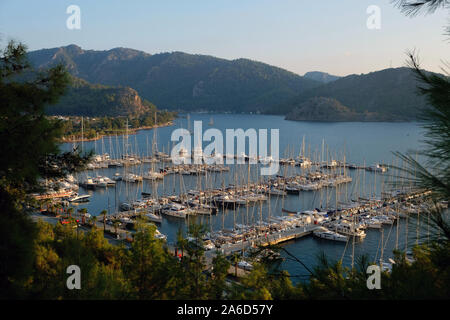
(324, 233)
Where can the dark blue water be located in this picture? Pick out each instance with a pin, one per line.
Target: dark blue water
(360, 143)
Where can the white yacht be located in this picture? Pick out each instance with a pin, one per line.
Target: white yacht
(109, 181)
(153, 217)
(100, 182)
(79, 198)
(349, 229)
(175, 210)
(153, 175)
(324, 233)
(372, 223)
(131, 177)
(159, 235)
(245, 265)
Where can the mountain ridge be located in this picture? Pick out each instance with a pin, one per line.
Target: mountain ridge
(194, 82)
(389, 93)
(320, 76)
(179, 80)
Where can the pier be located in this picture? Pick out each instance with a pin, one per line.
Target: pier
(262, 240)
(268, 239)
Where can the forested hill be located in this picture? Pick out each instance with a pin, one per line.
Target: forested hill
(329, 109)
(179, 80)
(95, 100)
(391, 93)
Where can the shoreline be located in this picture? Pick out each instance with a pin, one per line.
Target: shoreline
(130, 131)
(184, 113)
(348, 120)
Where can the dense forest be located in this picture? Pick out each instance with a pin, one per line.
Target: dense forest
(329, 109)
(96, 100)
(390, 93)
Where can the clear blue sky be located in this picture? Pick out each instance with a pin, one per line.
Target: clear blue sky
(298, 35)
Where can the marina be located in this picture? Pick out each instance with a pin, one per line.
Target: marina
(239, 207)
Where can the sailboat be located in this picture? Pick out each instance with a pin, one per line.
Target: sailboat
(152, 174)
(154, 217)
(175, 210)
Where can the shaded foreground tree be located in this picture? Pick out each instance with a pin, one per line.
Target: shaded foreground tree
(434, 173)
(147, 265)
(29, 152)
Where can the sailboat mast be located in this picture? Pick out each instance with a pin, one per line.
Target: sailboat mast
(82, 136)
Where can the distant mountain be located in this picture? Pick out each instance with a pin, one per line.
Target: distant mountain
(179, 80)
(391, 93)
(322, 77)
(94, 100)
(328, 109)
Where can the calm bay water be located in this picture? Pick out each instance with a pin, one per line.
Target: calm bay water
(360, 142)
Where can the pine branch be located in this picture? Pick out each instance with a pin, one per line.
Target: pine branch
(415, 7)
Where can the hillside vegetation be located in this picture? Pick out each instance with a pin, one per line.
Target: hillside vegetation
(390, 93)
(95, 100)
(188, 82)
(179, 80)
(328, 109)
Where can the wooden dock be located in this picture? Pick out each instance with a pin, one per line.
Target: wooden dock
(54, 195)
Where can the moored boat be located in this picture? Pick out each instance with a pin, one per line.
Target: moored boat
(324, 233)
(80, 198)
